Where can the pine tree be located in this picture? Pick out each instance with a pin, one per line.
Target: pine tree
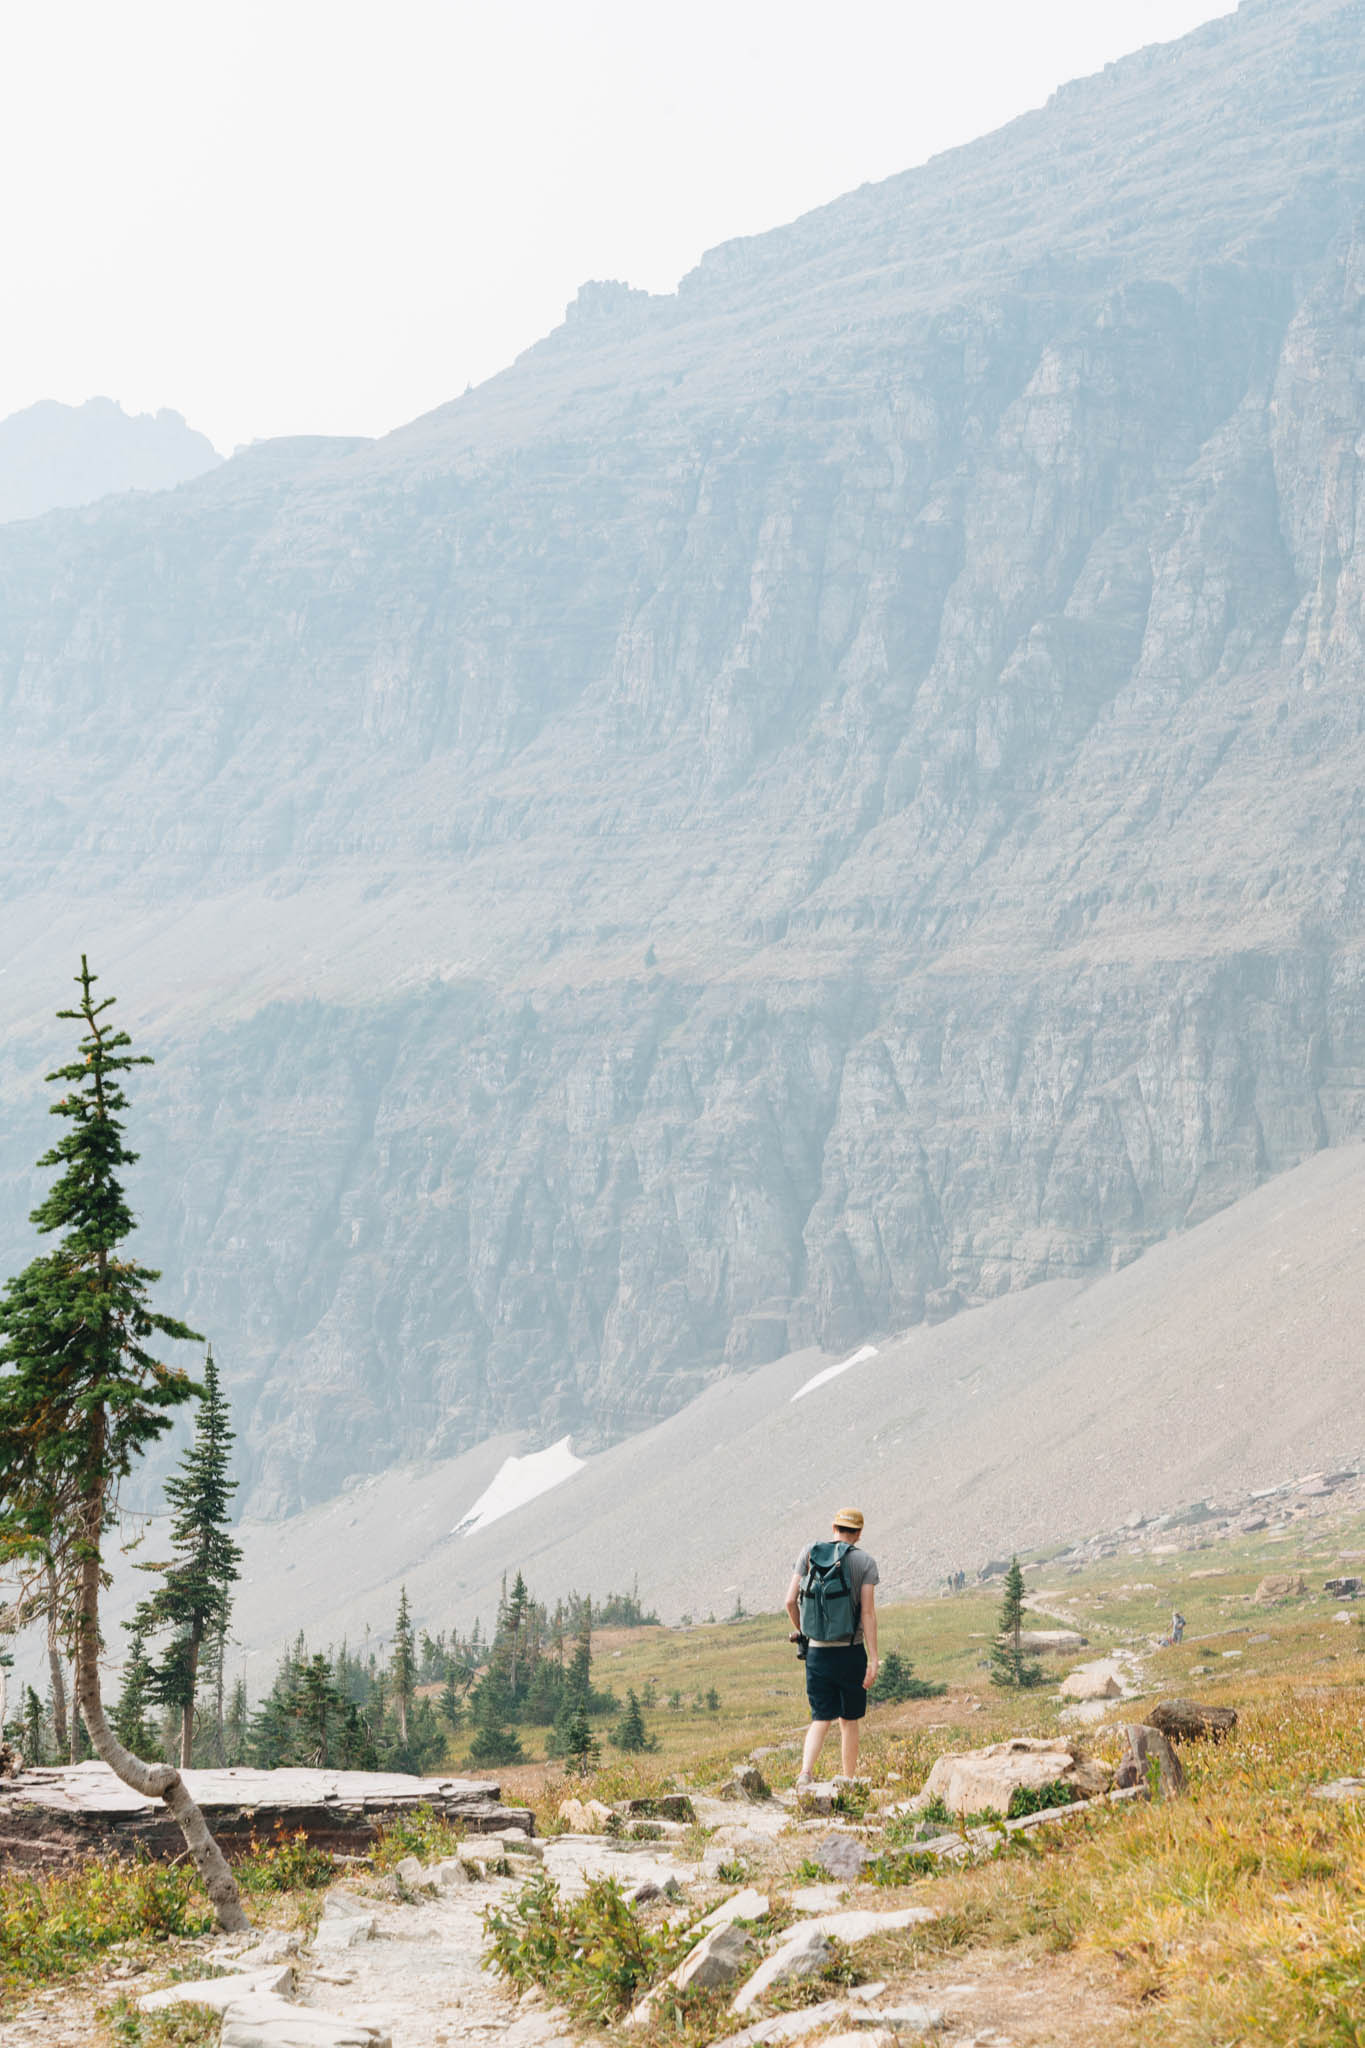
(452, 1707)
(1009, 1665)
(235, 1725)
(34, 1751)
(403, 1664)
(195, 1600)
(581, 1749)
(630, 1732)
(81, 1396)
(316, 1707)
(130, 1715)
(578, 1679)
(897, 1681)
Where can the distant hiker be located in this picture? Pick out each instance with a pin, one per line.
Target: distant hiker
(1177, 1627)
(831, 1601)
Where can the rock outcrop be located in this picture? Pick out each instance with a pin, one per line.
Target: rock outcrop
(803, 805)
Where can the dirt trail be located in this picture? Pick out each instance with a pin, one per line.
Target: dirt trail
(420, 1977)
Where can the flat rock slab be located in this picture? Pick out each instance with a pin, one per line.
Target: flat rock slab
(903, 2019)
(817, 1898)
(787, 2026)
(859, 1926)
(1340, 1789)
(571, 1861)
(804, 1953)
(264, 2022)
(83, 1809)
(218, 1993)
(746, 1905)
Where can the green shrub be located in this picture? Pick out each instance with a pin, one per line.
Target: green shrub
(420, 1832)
(183, 2026)
(52, 1925)
(592, 1954)
(736, 1871)
(1040, 1798)
(851, 1801)
(286, 1863)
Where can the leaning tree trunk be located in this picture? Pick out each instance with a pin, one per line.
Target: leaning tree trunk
(153, 1781)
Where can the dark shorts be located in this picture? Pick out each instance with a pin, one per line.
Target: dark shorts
(834, 1682)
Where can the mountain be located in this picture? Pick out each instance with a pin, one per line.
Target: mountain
(1232, 1347)
(805, 804)
(53, 454)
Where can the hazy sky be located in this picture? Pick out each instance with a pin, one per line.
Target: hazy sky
(330, 215)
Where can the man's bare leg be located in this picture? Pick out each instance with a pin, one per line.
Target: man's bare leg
(815, 1742)
(849, 1732)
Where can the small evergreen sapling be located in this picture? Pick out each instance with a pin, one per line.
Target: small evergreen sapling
(630, 1733)
(896, 1681)
(582, 1750)
(82, 1396)
(1009, 1665)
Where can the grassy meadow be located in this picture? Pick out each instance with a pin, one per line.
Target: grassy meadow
(1235, 1915)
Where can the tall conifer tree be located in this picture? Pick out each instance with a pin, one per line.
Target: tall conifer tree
(403, 1664)
(195, 1599)
(82, 1396)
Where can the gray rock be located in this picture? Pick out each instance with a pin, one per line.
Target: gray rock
(804, 1953)
(842, 1855)
(1340, 1789)
(717, 1959)
(409, 1871)
(748, 1782)
(1147, 1753)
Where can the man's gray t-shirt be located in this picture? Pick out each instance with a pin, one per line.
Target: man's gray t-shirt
(862, 1571)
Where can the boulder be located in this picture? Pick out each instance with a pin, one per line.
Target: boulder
(804, 1953)
(717, 1958)
(1188, 1721)
(409, 1871)
(842, 1855)
(748, 1782)
(450, 1871)
(663, 1806)
(1280, 1586)
(584, 1816)
(1091, 1682)
(1143, 1748)
(971, 1780)
(1043, 1642)
(1344, 1589)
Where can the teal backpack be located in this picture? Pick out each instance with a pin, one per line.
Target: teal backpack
(829, 1612)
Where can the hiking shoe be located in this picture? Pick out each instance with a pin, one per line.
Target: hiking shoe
(804, 1781)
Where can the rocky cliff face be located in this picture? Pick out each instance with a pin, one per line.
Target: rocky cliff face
(801, 806)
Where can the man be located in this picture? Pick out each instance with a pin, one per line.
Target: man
(839, 1672)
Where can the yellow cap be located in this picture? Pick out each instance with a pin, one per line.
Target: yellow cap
(848, 1518)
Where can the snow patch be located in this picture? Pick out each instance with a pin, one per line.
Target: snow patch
(518, 1481)
(832, 1372)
